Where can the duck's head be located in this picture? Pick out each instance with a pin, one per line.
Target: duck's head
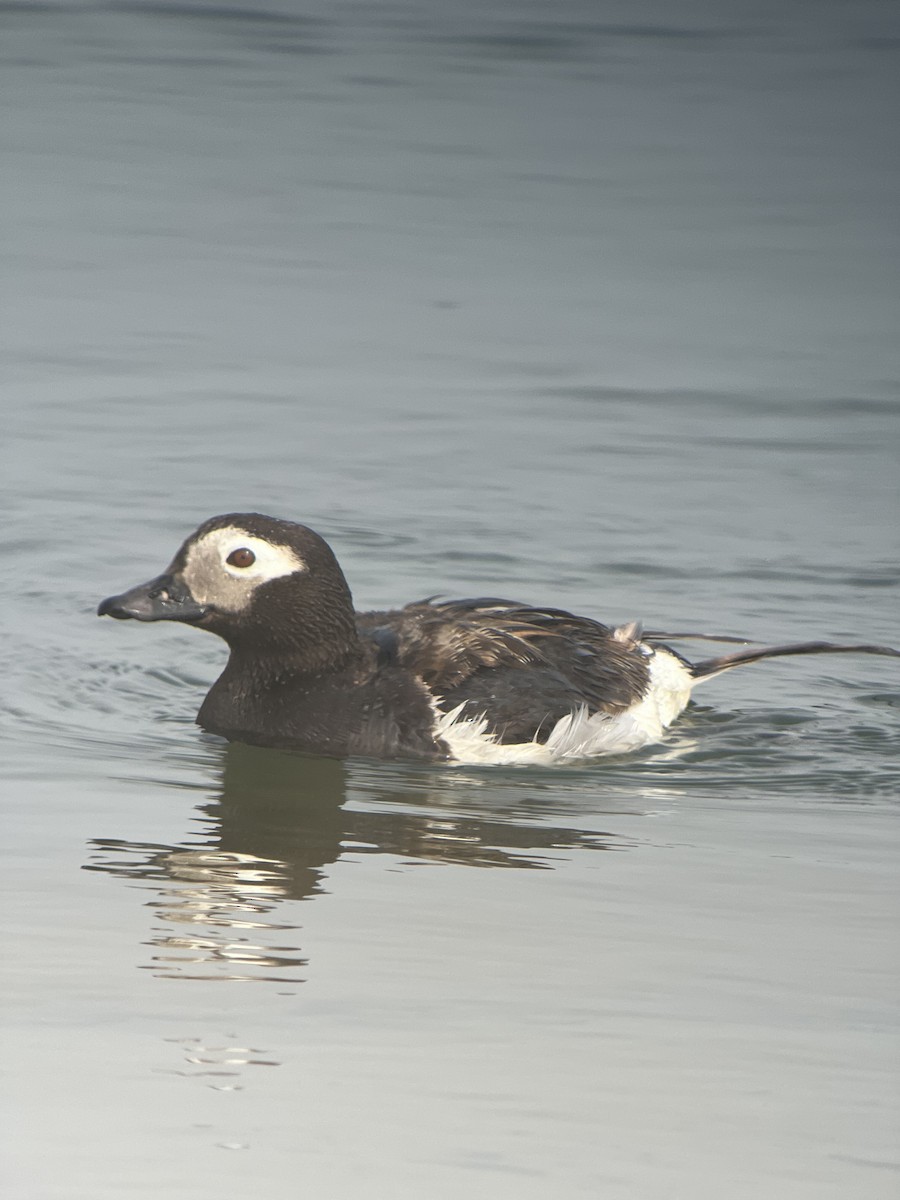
(255, 581)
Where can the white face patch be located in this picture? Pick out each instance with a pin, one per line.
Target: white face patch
(228, 585)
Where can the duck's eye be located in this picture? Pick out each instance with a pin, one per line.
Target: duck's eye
(241, 558)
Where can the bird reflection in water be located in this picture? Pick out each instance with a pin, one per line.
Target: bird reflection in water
(277, 822)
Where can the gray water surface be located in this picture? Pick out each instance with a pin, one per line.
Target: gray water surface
(590, 304)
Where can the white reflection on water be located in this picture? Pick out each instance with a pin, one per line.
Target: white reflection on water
(224, 893)
(207, 903)
(219, 1063)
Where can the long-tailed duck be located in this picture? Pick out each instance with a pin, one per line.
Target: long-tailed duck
(470, 681)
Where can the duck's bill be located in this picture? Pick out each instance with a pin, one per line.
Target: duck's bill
(165, 598)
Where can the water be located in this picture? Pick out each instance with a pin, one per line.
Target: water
(595, 309)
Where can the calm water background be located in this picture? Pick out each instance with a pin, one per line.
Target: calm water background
(587, 303)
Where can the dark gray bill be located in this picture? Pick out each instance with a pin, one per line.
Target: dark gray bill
(165, 598)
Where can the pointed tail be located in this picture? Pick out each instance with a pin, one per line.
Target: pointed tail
(715, 666)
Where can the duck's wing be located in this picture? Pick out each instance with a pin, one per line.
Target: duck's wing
(446, 643)
(460, 648)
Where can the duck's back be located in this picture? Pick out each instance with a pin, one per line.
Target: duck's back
(521, 668)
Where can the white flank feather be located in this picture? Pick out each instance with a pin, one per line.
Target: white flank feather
(579, 735)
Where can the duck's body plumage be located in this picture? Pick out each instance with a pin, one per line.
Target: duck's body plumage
(481, 680)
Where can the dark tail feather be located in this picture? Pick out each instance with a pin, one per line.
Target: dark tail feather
(652, 635)
(714, 666)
